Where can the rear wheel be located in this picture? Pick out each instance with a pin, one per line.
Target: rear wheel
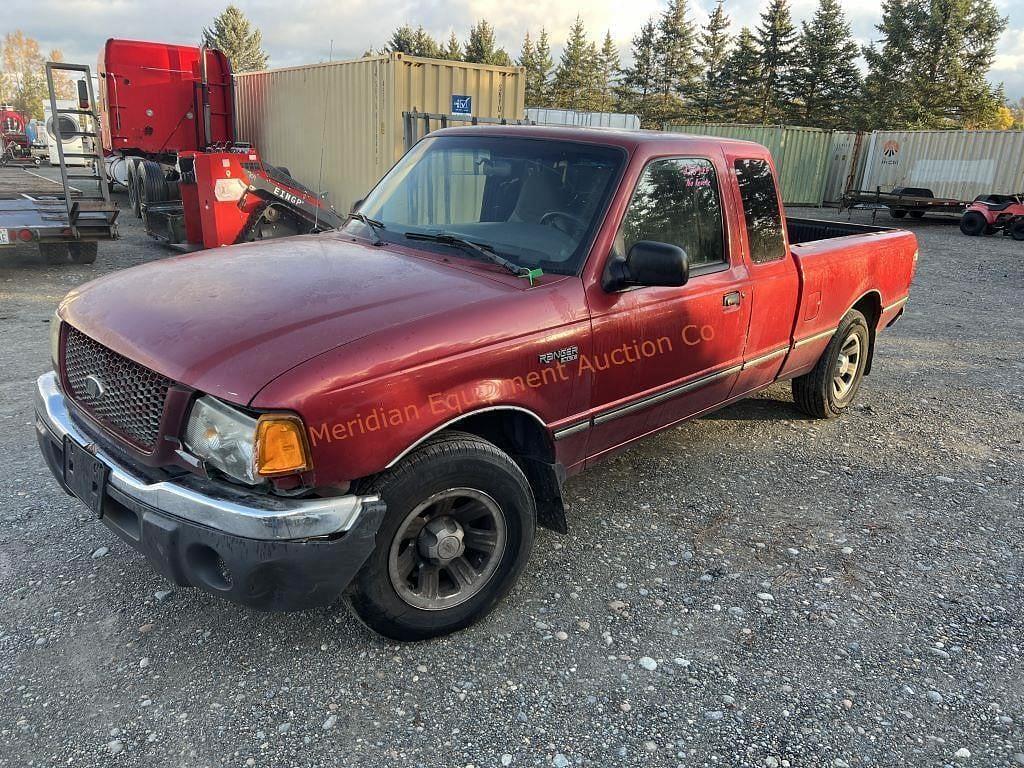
(917, 214)
(896, 213)
(152, 182)
(457, 534)
(1017, 229)
(973, 223)
(831, 386)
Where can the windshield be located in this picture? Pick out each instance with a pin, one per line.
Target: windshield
(534, 202)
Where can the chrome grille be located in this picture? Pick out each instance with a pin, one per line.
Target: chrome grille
(120, 393)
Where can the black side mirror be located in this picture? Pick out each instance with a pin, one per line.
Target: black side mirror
(648, 263)
(356, 205)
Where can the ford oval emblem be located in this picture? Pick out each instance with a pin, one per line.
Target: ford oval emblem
(94, 387)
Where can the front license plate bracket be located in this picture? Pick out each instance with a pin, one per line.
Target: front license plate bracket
(85, 475)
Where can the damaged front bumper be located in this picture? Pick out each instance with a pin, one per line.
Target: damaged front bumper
(263, 551)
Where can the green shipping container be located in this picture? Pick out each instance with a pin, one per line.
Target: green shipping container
(801, 154)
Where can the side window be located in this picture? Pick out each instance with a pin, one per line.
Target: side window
(760, 210)
(677, 201)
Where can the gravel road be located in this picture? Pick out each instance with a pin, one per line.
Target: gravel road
(750, 589)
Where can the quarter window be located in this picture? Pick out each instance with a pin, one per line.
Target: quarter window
(677, 201)
(760, 210)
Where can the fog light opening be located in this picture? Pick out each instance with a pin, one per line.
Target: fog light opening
(210, 567)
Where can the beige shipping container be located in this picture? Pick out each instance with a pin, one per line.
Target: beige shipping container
(338, 126)
(954, 164)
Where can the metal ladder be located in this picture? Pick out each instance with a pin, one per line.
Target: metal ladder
(86, 208)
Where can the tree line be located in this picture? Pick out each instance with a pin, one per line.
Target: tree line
(927, 69)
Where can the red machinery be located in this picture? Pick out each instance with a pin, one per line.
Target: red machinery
(994, 213)
(14, 144)
(168, 115)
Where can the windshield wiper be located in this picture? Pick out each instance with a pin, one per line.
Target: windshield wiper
(373, 225)
(484, 252)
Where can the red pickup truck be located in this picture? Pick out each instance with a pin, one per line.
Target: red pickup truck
(386, 411)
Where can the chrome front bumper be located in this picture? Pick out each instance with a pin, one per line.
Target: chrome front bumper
(228, 510)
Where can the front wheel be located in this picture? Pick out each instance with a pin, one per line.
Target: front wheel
(827, 391)
(457, 534)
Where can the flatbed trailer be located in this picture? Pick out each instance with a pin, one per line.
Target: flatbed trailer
(902, 201)
(33, 210)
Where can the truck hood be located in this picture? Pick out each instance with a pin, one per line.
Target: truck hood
(228, 321)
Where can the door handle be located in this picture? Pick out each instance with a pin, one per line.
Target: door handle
(732, 299)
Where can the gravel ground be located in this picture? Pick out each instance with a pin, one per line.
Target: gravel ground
(752, 588)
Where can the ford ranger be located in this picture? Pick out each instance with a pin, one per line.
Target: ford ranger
(385, 412)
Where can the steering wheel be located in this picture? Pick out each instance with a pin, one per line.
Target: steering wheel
(571, 225)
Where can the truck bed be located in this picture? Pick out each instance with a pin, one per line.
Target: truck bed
(811, 230)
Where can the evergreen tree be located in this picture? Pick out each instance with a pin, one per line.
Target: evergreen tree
(713, 51)
(638, 83)
(776, 43)
(677, 67)
(576, 84)
(481, 47)
(452, 50)
(543, 65)
(827, 83)
(889, 98)
(416, 42)
(608, 60)
(957, 45)
(741, 81)
(236, 38)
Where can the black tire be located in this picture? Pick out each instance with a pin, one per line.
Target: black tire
(815, 392)
(972, 223)
(152, 183)
(1017, 229)
(453, 460)
(896, 213)
(83, 252)
(55, 253)
(133, 187)
(917, 214)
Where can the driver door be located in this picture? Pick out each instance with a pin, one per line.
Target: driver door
(661, 354)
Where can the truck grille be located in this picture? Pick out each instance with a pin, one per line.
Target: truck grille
(117, 392)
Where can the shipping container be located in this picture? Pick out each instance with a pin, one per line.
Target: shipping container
(841, 171)
(550, 116)
(954, 164)
(801, 154)
(338, 126)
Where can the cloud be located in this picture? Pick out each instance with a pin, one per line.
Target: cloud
(302, 31)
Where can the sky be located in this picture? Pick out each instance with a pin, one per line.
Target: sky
(302, 31)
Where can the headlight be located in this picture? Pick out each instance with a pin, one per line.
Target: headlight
(55, 339)
(245, 448)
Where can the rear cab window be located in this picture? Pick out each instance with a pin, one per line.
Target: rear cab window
(678, 201)
(761, 214)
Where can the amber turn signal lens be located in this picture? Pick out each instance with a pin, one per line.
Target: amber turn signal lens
(281, 447)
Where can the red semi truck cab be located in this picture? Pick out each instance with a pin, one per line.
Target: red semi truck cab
(387, 411)
(152, 98)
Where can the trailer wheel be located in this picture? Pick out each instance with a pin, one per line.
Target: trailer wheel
(917, 214)
(1017, 229)
(152, 182)
(55, 253)
(973, 223)
(896, 213)
(83, 252)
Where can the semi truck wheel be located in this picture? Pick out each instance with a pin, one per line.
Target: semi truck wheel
(457, 534)
(133, 187)
(973, 223)
(152, 182)
(831, 386)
